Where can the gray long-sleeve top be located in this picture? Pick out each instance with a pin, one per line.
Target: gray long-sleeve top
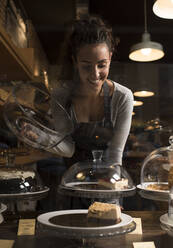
(121, 115)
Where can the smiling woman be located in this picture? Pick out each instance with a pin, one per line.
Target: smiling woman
(99, 108)
(92, 63)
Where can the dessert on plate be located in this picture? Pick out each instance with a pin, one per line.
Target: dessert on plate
(115, 184)
(157, 186)
(104, 213)
(163, 186)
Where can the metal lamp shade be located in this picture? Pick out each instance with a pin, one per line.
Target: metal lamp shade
(146, 50)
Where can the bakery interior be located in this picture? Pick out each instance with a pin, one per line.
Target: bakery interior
(31, 41)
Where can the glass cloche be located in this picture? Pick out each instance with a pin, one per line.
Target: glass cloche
(97, 179)
(157, 173)
(27, 113)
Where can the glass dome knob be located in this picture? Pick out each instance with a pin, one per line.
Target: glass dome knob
(97, 155)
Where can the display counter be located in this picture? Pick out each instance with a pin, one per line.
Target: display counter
(150, 226)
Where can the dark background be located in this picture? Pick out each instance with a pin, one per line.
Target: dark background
(126, 18)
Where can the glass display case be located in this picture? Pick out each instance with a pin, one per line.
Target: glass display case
(157, 173)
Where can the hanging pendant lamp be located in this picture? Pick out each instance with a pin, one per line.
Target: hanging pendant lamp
(163, 9)
(146, 50)
(144, 89)
(143, 93)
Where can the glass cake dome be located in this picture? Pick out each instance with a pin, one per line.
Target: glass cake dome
(27, 113)
(157, 173)
(97, 179)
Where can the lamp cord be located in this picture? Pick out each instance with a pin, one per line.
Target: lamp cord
(145, 16)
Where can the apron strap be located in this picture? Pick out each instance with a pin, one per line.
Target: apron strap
(107, 106)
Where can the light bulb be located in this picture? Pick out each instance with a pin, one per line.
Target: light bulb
(146, 51)
(163, 8)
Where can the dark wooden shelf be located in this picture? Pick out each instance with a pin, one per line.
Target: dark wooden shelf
(15, 63)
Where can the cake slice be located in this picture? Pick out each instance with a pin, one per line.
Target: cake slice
(157, 186)
(117, 184)
(104, 213)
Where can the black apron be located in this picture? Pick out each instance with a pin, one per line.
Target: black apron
(88, 137)
(93, 135)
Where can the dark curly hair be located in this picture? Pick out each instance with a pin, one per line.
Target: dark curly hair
(88, 30)
(91, 30)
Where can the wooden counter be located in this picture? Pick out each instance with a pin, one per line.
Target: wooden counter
(150, 223)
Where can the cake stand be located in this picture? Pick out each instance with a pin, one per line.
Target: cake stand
(15, 202)
(72, 224)
(166, 224)
(33, 196)
(91, 190)
(167, 219)
(155, 195)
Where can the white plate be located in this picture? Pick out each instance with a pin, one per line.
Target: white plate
(73, 186)
(144, 187)
(165, 220)
(44, 219)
